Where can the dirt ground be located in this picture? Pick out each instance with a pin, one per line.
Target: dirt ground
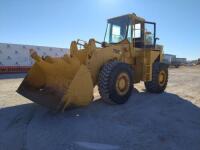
(168, 121)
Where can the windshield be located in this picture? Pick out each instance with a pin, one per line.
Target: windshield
(117, 30)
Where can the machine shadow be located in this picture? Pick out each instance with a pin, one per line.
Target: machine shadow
(164, 100)
(157, 119)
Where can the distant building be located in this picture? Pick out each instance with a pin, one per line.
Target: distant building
(16, 57)
(181, 60)
(169, 58)
(173, 61)
(198, 61)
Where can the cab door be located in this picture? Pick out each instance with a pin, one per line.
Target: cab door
(149, 35)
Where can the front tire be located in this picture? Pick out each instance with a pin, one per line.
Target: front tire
(115, 82)
(159, 78)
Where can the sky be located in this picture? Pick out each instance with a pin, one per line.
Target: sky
(58, 22)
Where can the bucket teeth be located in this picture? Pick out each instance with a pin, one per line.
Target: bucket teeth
(57, 83)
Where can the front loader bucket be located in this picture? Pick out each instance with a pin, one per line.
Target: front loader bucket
(45, 98)
(58, 83)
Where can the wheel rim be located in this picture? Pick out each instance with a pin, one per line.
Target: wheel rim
(122, 84)
(162, 78)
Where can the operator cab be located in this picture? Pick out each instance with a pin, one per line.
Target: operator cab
(132, 28)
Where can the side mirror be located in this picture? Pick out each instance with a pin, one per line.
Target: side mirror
(157, 38)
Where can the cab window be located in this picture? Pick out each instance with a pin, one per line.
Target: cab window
(137, 30)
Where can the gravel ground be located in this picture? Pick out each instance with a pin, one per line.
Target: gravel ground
(168, 121)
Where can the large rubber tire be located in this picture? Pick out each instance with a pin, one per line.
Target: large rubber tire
(155, 86)
(108, 79)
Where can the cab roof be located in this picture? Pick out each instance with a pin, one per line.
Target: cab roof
(132, 16)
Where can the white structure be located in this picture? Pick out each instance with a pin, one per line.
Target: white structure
(18, 55)
(181, 60)
(16, 58)
(168, 58)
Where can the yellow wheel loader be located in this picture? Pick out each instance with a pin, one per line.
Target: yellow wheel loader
(128, 55)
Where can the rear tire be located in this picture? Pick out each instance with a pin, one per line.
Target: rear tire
(159, 78)
(115, 82)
